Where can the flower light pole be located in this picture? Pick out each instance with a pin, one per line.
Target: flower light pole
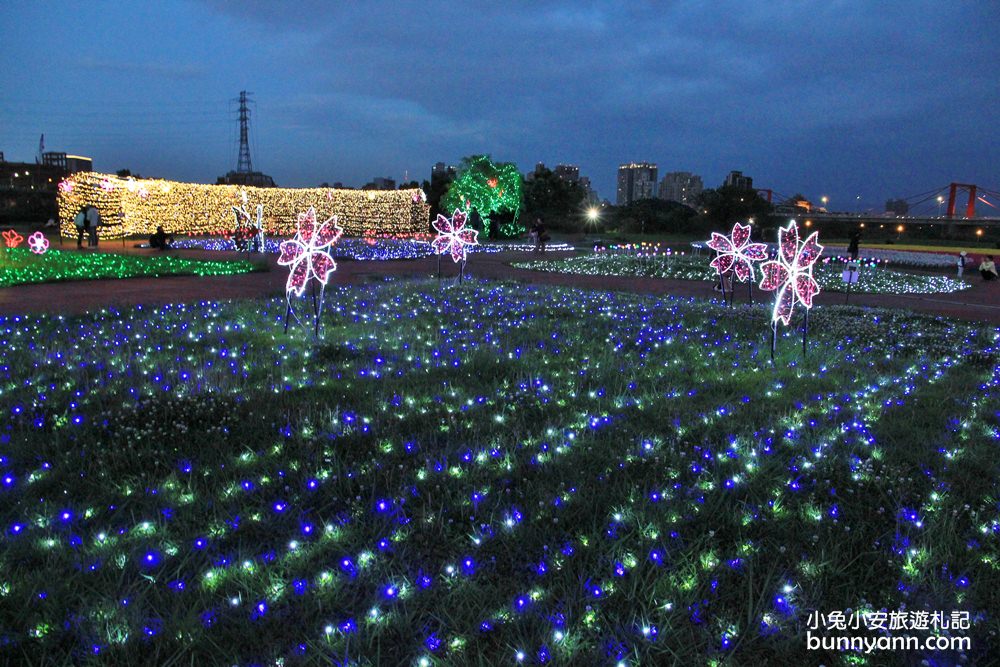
(453, 237)
(735, 255)
(791, 276)
(308, 256)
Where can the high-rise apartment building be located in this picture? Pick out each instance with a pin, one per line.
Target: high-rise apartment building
(636, 180)
(736, 179)
(681, 186)
(568, 172)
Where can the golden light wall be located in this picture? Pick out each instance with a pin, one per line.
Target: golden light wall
(135, 207)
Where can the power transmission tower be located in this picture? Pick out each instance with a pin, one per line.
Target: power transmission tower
(243, 165)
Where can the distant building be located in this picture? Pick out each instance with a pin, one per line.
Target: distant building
(70, 164)
(681, 186)
(736, 179)
(539, 168)
(30, 176)
(636, 180)
(386, 183)
(442, 170)
(254, 179)
(584, 183)
(568, 172)
(1, 157)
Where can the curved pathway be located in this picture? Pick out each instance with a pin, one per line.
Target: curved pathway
(982, 302)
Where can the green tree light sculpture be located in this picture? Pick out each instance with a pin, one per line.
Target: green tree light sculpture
(488, 188)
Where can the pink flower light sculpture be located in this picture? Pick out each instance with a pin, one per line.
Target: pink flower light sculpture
(736, 252)
(38, 243)
(307, 253)
(791, 274)
(452, 236)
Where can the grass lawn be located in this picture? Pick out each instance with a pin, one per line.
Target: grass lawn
(464, 475)
(20, 266)
(696, 267)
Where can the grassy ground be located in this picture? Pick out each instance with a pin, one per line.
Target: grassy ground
(467, 474)
(20, 266)
(692, 267)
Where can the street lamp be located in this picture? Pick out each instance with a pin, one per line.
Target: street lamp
(824, 199)
(593, 214)
(940, 200)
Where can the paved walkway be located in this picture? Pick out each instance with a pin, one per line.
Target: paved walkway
(982, 302)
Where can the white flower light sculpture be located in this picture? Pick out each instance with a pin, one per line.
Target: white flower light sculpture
(791, 274)
(453, 237)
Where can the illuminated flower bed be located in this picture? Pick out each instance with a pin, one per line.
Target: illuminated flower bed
(473, 474)
(695, 267)
(913, 258)
(18, 266)
(346, 248)
(374, 249)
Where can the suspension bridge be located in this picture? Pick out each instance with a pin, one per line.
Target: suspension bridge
(953, 204)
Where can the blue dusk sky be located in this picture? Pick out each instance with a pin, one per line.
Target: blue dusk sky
(858, 101)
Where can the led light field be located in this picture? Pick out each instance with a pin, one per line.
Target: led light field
(487, 474)
(872, 280)
(19, 266)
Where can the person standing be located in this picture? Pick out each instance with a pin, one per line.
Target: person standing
(82, 226)
(540, 235)
(961, 263)
(852, 248)
(94, 219)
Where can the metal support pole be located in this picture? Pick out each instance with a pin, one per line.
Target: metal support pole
(774, 338)
(805, 333)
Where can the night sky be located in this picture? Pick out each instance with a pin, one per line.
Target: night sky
(844, 99)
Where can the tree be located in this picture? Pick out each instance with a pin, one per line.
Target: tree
(435, 189)
(654, 215)
(731, 204)
(557, 201)
(487, 188)
(126, 173)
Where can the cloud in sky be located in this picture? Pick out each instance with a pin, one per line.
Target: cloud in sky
(843, 98)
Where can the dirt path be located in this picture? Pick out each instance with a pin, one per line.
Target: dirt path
(982, 302)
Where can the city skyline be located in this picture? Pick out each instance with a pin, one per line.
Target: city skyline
(346, 93)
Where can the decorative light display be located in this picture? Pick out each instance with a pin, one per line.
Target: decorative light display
(453, 237)
(736, 253)
(642, 249)
(136, 207)
(58, 266)
(374, 248)
(308, 254)
(308, 257)
(249, 233)
(678, 266)
(487, 188)
(11, 238)
(791, 274)
(542, 510)
(38, 243)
